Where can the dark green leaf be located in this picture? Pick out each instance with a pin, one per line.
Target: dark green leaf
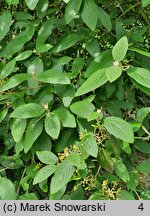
(5, 23)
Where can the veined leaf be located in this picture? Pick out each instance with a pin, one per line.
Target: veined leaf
(144, 167)
(125, 195)
(82, 108)
(46, 157)
(18, 127)
(54, 77)
(29, 110)
(113, 73)
(7, 189)
(142, 113)
(119, 128)
(140, 75)
(8, 69)
(14, 81)
(142, 52)
(93, 82)
(72, 9)
(61, 177)
(44, 173)
(34, 129)
(121, 171)
(89, 145)
(105, 19)
(52, 125)
(120, 49)
(90, 13)
(5, 23)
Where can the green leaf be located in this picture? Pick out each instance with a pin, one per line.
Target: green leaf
(74, 159)
(125, 195)
(31, 4)
(12, 2)
(44, 173)
(61, 177)
(7, 189)
(96, 80)
(142, 113)
(24, 55)
(121, 171)
(14, 81)
(3, 114)
(90, 14)
(46, 157)
(68, 95)
(67, 119)
(105, 160)
(52, 125)
(92, 46)
(89, 145)
(140, 75)
(133, 182)
(113, 73)
(120, 49)
(141, 87)
(82, 108)
(142, 146)
(43, 34)
(5, 23)
(71, 10)
(145, 3)
(143, 167)
(28, 196)
(54, 77)
(18, 127)
(142, 52)
(8, 69)
(34, 129)
(66, 42)
(29, 110)
(119, 128)
(105, 19)
(41, 8)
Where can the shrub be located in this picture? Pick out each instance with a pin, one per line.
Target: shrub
(74, 98)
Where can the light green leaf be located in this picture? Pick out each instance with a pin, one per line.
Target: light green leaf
(46, 157)
(143, 167)
(28, 196)
(125, 195)
(61, 177)
(120, 49)
(5, 23)
(8, 69)
(7, 189)
(145, 3)
(71, 10)
(89, 145)
(113, 73)
(14, 81)
(29, 110)
(12, 2)
(18, 127)
(44, 173)
(140, 75)
(119, 128)
(96, 80)
(82, 108)
(3, 113)
(74, 159)
(68, 95)
(105, 19)
(90, 13)
(34, 129)
(133, 182)
(52, 125)
(54, 77)
(66, 42)
(31, 4)
(121, 171)
(105, 160)
(142, 113)
(67, 119)
(24, 55)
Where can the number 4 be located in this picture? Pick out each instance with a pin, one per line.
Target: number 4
(141, 207)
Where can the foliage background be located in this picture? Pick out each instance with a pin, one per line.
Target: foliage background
(74, 99)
